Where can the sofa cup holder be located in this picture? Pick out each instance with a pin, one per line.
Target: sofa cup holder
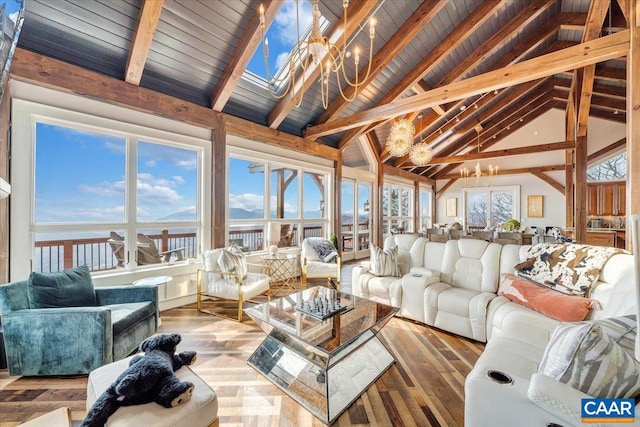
(499, 377)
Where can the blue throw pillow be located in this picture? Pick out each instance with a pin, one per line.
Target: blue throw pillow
(67, 288)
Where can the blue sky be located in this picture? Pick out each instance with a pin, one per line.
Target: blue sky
(282, 36)
(12, 6)
(247, 190)
(80, 177)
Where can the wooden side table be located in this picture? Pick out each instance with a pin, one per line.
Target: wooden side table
(281, 269)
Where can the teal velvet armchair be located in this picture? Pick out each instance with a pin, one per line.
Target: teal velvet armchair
(75, 340)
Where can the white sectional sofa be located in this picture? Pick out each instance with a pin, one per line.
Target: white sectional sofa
(453, 286)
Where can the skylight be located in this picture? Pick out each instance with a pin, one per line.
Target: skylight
(282, 36)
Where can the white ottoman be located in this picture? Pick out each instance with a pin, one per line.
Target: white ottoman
(200, 411)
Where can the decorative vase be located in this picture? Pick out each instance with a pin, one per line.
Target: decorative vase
(273, 250)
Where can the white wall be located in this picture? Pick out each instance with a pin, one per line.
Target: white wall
(547, 128)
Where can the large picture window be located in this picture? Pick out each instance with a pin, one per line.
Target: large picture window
(397, 205)
(491, 207)
(109, 196)
(297, 206)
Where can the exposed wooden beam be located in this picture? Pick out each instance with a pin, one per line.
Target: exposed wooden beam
(142, 38)
(498, 39)
(597, 12)
(504, 102)
(602, 49)
(604, 90)
(516, 151)
(52, 73)
(256, 132)
(546, 178)
(515, 171)
(446, 186)
(400, 39)
(357, 11)
(633, 113)
(483, 12)
(375, 146)
(242, 54)
(621, 143)
(390, 170)
(479, 16)
(496, 129)
(218, 183)
(422, 87)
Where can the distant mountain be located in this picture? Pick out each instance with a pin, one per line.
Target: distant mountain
(239, 213)
(184, 215)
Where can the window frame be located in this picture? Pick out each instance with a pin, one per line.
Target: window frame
(26, 114)
(240, 148)
(387, 218)
(515, 189)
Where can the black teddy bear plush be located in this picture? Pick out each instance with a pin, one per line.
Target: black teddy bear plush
(149, 378)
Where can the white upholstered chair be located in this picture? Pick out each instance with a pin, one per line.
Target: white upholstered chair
(213, 283)
(313, 267)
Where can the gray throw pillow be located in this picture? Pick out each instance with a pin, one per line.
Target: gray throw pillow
(67, 288)
(384, 262)
(595, 357)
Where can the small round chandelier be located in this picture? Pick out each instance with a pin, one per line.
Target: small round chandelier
(400, 137)
(420, 154)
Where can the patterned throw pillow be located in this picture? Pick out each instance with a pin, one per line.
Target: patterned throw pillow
(384, 262)
(233, 264)
(595, 357)
(571, 269)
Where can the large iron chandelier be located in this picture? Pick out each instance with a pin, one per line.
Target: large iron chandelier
(316, 51)
(479, 176)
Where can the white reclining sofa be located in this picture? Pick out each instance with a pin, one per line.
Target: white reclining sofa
(453, 286)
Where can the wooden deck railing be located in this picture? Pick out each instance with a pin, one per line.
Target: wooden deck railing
(96, 252)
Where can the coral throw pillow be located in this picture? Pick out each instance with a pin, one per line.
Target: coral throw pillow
(566, 308)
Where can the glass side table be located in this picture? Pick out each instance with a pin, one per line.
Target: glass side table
(281, 268)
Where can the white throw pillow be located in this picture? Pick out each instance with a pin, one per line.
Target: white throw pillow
(594, 357)
(384, 262)
(233, 264)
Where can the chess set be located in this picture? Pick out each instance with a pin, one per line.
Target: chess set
(321, 307)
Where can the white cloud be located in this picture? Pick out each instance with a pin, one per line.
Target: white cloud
(150, 163)
(280, 59)
(115, 147)
(104, 189)
(285, 21)
(178, 179)
(247, 201)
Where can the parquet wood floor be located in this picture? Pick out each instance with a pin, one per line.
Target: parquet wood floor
(425, 387)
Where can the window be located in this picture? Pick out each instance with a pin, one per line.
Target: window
(426, 198)
(297, 206)
(397, 205)
(614, 168)
(106, 194)
(491, 207)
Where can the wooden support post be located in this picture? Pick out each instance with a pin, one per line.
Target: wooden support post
(633, 113)
(4, 173)
(337, 209)
(379, 214)
(581, 190)
(218, 184)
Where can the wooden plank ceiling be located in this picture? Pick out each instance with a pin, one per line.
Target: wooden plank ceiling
(450, 66)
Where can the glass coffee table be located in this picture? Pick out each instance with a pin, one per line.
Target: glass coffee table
(322, 347)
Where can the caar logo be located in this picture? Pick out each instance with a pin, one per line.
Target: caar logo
(608, 410)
